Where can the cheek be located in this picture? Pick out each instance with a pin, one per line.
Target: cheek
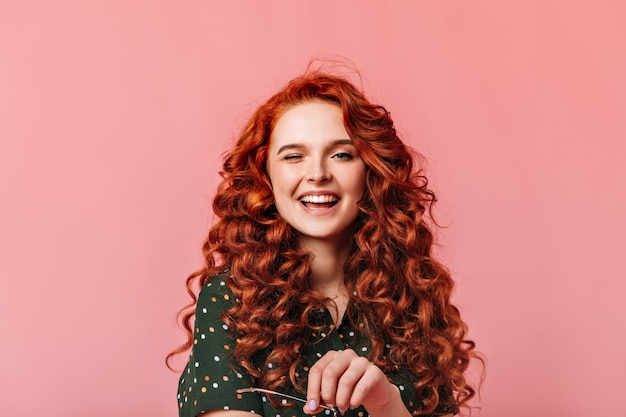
(283, 183)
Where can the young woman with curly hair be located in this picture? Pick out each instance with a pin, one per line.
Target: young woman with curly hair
(319, 280)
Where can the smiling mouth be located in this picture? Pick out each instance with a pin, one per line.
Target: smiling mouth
(319, 201)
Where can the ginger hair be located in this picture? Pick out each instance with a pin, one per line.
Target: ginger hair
(397, 289)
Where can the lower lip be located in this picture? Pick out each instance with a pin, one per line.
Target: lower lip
(318, 211)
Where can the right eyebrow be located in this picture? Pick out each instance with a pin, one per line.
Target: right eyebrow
(289, 147)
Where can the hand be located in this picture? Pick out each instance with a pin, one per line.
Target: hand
(346, 380)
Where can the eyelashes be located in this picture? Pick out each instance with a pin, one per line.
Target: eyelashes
(292, 158)
(341, 156)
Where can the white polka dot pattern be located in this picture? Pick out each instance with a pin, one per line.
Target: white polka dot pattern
(210, 379)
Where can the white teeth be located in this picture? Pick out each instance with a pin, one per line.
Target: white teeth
(318, 199)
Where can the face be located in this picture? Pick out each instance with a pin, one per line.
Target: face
(316, 171)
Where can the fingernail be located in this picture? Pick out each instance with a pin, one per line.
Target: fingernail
(313, 405)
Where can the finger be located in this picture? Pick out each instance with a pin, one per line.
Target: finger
(348, 381)
(312, 403)
(314, 382)
(335, 371)
(331, 375)
(372, 384)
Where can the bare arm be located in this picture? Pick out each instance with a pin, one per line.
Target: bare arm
(394, 407)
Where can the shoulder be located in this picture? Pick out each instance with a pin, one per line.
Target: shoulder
(217, 285)
(215, 295)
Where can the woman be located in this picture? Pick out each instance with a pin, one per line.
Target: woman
(319, 282)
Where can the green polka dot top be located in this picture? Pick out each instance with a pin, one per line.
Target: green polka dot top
(209, 381)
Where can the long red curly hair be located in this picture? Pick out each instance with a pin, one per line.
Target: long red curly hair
(397, 289)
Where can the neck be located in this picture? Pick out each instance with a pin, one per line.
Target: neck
(329, 258)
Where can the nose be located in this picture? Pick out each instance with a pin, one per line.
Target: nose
(318, 172)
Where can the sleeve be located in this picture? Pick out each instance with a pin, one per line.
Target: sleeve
(209, 381)
(412, 403)
(405, 385)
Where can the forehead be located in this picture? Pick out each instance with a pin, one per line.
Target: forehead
(309, 122)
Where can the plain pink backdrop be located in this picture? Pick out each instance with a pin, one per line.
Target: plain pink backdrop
(113, 117)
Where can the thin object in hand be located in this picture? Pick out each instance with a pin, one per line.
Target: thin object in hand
(267, 391)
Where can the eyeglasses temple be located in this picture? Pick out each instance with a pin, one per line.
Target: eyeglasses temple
(267, 391)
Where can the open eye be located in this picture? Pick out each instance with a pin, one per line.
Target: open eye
(343, 156)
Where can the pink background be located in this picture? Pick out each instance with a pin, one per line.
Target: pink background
(113, 117)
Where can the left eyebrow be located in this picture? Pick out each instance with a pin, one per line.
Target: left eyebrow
(342, 142)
